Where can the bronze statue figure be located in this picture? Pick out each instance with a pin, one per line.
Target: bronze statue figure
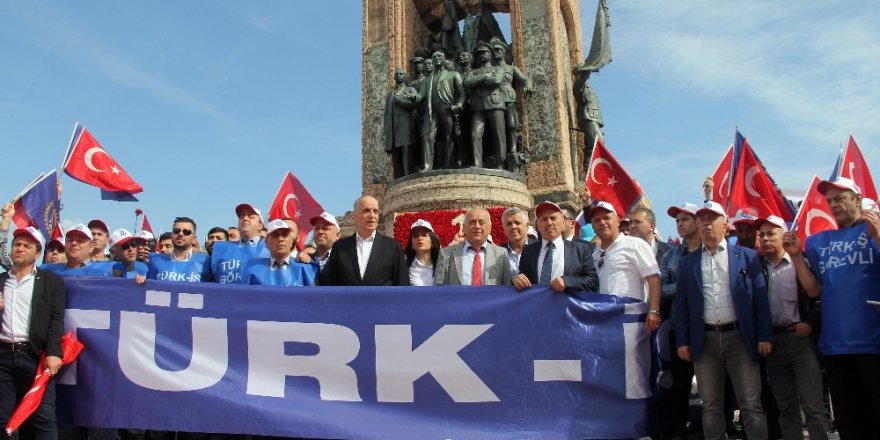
(399, 125)
(443, 93)
(487, 107)
(510, 75)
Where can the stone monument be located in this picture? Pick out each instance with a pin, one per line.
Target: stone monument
(544, 49)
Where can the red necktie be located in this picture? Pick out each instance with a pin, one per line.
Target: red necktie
(477, 269)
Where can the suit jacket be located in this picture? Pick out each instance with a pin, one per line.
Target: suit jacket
(47, 312)
(496, 268)
(748, 286)
(579, 272)
(386, 266)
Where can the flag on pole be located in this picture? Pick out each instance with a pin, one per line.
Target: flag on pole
(852, 165)
(814, 216)
(721, 178)
(38, 204)
(754, 189)
(609, 182)
(88, 162)
(293, 201)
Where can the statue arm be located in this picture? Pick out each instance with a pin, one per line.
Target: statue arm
(460, 92)
(521, 78)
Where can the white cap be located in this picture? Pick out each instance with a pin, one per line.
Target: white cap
(599, 205)
(31, 232)
(421, 224)
(244, 207)
(327, 217)
(81, 229)
(744, 216)
(120, 237)
(276, 225)
(840, 183)
(713, 207)
(688, 208)
(868, 204)
(531, 232)
(145, 235)
(773, 220)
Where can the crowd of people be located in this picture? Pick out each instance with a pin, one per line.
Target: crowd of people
(758, 318)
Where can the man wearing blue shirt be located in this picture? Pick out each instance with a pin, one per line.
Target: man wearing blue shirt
(279, 269)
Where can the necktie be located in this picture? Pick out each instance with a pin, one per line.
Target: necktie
(547, 265)
(477, 269)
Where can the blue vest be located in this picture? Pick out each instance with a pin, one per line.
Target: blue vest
(162, 268)
(847, 264)
(93, 269)
(256, 271)
(228, 258)
(139, 269)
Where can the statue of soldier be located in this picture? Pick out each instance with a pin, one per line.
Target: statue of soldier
(509, 75)
(486, 101)
(399, 125)
(589, 115)
(443, 91)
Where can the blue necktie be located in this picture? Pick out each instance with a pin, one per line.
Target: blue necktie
(547, 265)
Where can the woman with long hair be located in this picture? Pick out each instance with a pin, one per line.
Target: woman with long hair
(422, 251)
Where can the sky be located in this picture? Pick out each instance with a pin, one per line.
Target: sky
(209, 104)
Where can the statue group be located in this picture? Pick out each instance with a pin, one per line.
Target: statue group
(443, 114)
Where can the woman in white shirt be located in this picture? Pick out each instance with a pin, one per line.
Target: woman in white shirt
(422, 250)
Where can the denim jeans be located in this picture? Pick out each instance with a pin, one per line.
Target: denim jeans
(794, 374)
(17, 371)
(726, 352)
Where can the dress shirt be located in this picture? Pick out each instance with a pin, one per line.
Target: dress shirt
(467, 263)
(420, 274)
(783, 292)
(513, 258)
(717, 298)
(251, 242)
(323, 260)
(282, 263)
(364, 249)
(188, 257)
(558, 258)
(628, 261)
(17, 310)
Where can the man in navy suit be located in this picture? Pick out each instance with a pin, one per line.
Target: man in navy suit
(365, 258)
(723, 324)
(552, 260)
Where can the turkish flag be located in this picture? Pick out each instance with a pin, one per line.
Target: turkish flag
(753, 188)
(293, 201)
(90, 163)
(70, 349)
(853, 167)
(814, 215)
(145, 225)
(609, 182)
(721, 178)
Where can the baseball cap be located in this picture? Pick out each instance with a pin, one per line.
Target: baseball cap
(31, 232)
(59, 240)
(543, 206)
(773, 220)
(245, 207)
(98, 223)
(120, 237)
(743, 216)
(712, 207)
(421, 224)
(840, 183)
(145, 235)
(327, 217)
(276, 225)
(688, 208)
(81, 229)
(599, 205)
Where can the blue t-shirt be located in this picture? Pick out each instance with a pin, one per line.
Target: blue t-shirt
(139, 269)
(256, 271)
(162, 267)
(91, 269)
(847, 263)
(228, 259)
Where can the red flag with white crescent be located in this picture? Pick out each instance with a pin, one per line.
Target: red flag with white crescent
(90, 163)
(609, 182)
(814, 216)
(854, 167)
(293, 201)
(753, 188)
(721, 178)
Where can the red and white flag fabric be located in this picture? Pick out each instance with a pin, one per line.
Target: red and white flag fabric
(145, 225)
(609, 182)
(814, 216)
(293, 201)
(88, 162)
(70, 349)
(722, 178)
(853, 166)
(753, 188)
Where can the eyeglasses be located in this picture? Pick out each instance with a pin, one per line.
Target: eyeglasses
(601, 259)
(179, 231)
(128, 245)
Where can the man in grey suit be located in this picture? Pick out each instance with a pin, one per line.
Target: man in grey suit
(474, 262)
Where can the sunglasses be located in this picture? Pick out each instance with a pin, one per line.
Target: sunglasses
(128, 245)
(601, 259)
(179, 231)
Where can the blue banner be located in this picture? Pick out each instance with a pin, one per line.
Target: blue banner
(365, 363)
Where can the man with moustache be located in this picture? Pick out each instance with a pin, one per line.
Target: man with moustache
(227, 258)
(365, 258)
(182, 263)
(78, 244)
(279, 269)
(124, 248)
(215, 234)
(554, 261)
(474, 262)
(324, 234)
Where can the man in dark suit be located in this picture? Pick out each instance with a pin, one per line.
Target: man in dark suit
(33, 321)
(723, 324)
(552, 260)
(366, 258)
